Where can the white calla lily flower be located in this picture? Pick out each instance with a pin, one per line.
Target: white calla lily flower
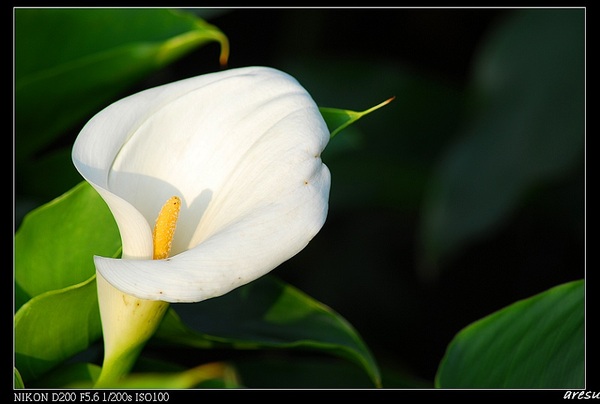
(213, 182)
(240, 148)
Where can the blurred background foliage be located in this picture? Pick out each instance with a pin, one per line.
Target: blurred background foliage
(462, 196)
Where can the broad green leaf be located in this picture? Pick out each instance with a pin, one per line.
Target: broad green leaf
(70, 62)
(54, 326)
(55, 245)
(526, 129)
(267, 313)
(339, 119)
(535, 343)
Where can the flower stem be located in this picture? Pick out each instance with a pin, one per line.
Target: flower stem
(127, 323)
(115, 367)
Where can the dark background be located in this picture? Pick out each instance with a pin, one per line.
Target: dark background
(365, 261)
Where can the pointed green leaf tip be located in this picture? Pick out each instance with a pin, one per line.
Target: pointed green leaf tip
(339, 119)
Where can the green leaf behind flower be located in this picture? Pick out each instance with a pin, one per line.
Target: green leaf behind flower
(267, 313)
(527, 130)
(339, 119)
(53, 326)
(214, 374)
(146, 375)
(69, 375)
(535, 343)
(55, 245)
(64, 56)
(72, 62)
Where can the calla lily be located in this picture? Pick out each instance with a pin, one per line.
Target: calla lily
(240, 149)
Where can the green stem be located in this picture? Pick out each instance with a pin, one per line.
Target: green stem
(127, 324)
(116, 367)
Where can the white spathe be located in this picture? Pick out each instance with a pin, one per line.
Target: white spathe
(241, 148)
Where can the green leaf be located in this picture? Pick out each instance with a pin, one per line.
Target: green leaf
(400, 140)
(267, 313)
(339, 119)
(535, 343)
(71, 62)
(55, 245)
(296, 372)
(82, 376)
(54, 326)
(526, 129)
(18, 380)
(69, 375)
(222, 374)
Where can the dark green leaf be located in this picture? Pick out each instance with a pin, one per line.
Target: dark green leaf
(69, 375)
(267, 313)
(527, 129)
(296, 372)
(46, 177)
(71, 62)
(535, 343)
